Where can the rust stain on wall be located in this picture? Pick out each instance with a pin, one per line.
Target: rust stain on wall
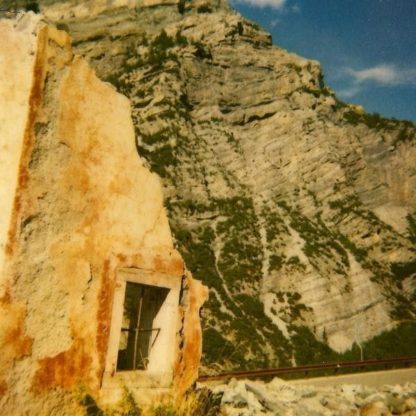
(173, 266)
(5, 298)
(105, 303)
(3, 387)
(121, 258)
(13, 340)
(15, 337)
(14, 344)
(186, 367)
(39, 74)
(65, 369)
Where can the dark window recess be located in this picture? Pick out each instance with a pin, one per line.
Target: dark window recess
(138, 335)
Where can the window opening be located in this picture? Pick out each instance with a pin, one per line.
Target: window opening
(138, 335)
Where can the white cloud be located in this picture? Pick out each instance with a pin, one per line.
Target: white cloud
(274, 23)
(350, 92)
(384, 74)
(387, 75)
(276, 4)
(296, 8)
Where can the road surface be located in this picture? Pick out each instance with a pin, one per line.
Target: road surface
(371, 379)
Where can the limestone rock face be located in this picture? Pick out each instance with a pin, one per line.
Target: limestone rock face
(296, 209)
(84, 9)
(79, 209)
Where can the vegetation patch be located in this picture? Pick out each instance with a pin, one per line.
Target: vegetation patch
(159, 47)
(217, 349)
(406, 133)
(290, 308)
(345, 205)
(119, 82)
(196, 248)
(195, 402)
(204, 9)
(161, 158)
(162, 136)
(405, 308)
(239, 269)
(399, 342)
(359, 253)
(201, 51)
(241, 257)
(411, 228)
(32, 6)
(376, 122)
(308, 350)
(403, 270)
(318, 238)
(316, 93)
(339, 104)
(295, 262)
(275, 262)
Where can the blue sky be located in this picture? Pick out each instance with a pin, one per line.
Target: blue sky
(367, 48)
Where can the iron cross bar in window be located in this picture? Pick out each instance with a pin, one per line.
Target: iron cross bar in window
(136, 337)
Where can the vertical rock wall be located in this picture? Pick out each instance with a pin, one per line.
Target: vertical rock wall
(77, 204)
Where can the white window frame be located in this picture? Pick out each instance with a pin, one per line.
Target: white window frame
(159, 372)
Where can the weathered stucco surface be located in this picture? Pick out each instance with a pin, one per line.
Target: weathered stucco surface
(77, 204)
(16, 66)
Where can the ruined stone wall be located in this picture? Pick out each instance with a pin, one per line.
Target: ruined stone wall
(17, 68)
(77, 204)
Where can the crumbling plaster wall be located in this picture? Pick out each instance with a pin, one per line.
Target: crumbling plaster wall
(78, 204)
(17, 69)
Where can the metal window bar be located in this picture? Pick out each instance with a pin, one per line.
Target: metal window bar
(138, 322)
(136, 338)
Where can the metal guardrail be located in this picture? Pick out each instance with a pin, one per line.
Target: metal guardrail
(401, 361)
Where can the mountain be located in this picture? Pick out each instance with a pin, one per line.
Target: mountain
(297, 210)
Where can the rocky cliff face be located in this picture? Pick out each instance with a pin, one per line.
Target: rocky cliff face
(295, 208)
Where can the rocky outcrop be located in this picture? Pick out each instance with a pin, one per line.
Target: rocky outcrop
(249, 398)
(295, 208)
(79, 209)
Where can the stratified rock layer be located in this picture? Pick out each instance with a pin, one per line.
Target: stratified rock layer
(77, 205)
(296, 209)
